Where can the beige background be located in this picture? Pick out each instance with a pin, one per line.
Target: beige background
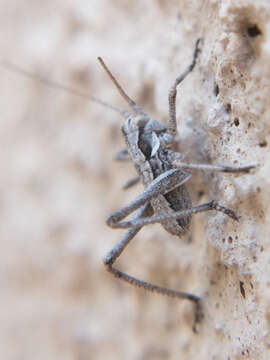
(59, 181)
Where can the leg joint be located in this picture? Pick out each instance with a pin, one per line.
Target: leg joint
(108, 261)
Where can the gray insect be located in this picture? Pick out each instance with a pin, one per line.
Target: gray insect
(165, 199)
(162, 171)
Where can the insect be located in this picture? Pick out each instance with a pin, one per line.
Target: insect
(163, 172)
(165, 199)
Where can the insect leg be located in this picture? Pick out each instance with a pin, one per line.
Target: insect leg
(172, 127)
(131, 183)
(161, 185)
(111, 257)
(122, 155)
(239, 169)
(213, 205)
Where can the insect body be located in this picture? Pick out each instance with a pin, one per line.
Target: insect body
(164, 174)
(165, 199)
(144, 138)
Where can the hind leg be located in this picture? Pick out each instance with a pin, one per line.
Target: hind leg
(111, 257)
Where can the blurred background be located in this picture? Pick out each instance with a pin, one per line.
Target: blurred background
(59, 181)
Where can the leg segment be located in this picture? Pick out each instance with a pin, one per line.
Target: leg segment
(129, 235)
(111, 257)
(131, 183)
(122, 155)
(172, 127)
(161, 185)
(213, 205)
(216, 168)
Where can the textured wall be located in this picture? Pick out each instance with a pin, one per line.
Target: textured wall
(58, 180)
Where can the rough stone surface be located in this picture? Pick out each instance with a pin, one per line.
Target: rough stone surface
(58, 180)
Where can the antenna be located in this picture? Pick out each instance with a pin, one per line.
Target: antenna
(132, 103)
(54, 84)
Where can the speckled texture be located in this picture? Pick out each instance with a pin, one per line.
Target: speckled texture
(58, 180)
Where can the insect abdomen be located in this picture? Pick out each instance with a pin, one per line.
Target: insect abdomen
(179, 199)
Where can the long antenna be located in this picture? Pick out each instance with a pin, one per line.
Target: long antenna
(132, 103)
(54, 84)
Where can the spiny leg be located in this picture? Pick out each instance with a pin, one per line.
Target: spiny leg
(216, 168)
(213, 205)
(129, 235)
(172, 127)
(111, 257)
(161, 185)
